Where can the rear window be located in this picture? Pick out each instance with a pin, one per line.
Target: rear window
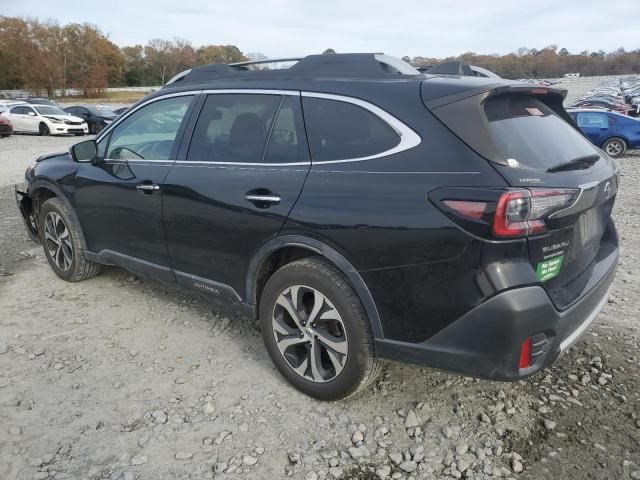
(528, 131)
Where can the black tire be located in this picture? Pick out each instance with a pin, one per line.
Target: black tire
(43, 130)
(615, 146)
(94, 128)
(79, 267)
(360, 366)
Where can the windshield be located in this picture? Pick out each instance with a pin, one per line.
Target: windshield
(528, 131)
(101, 111)
(49, 110)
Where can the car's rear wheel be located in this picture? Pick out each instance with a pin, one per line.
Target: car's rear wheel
(615, 147)
(63, 243)
(94, 128)
(316, 331)
(43, 130)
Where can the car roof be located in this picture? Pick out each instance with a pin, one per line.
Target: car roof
(362, 75)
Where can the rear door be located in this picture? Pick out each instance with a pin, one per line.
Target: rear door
(529, 141)
(233, 186)
(594, 125)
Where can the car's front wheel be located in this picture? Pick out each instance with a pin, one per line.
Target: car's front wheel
(63, 242)
(316, 330)
(43, 130)
(615, 147)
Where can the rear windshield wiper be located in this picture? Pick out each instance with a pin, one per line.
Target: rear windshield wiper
(575, 164)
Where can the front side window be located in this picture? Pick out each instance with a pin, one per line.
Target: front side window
(233, 128)
(339, 130)
(149, 133)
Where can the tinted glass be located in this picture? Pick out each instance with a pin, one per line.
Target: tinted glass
(597, 120)
(18, 110)
(233, 128)
(339, 130)
(526, 130)
(287, 142)
(150, 132)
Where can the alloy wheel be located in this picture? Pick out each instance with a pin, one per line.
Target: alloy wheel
(58, 241)
(614, 148)
(310, 333)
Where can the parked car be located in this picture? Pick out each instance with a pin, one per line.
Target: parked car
(612, 132)
(44, 120)
(6, 129)
(359, 209)
(97, 117)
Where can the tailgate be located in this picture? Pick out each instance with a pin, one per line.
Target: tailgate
(532, 142)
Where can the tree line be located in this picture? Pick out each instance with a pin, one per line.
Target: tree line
(44, 56)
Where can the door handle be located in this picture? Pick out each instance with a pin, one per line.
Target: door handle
(262, 200)
(147, 188)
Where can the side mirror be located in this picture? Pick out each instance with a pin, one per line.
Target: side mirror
(31, 114)
(84, 151)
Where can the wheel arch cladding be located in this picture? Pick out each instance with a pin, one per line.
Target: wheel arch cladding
(42, 190)
(288, 248)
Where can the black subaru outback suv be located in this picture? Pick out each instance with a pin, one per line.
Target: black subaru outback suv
(359, 209)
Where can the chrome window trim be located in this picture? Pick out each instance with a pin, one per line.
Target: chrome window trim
(408, 137)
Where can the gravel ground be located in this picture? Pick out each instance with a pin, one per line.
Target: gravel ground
(121, 378)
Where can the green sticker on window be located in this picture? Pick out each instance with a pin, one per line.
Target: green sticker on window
(549, 268)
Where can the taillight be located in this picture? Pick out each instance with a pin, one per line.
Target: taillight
(522, 212)
(467, 208)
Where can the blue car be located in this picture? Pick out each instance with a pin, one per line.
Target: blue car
(612, 132)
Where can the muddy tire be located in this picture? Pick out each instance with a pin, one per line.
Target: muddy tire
(63, 242)
(316, 330)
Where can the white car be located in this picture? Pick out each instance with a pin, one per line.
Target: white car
(44, 120)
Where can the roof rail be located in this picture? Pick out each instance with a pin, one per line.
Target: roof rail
(265, 61)
(358, 65)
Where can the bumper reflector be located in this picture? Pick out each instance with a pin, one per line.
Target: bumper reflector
(525, 355)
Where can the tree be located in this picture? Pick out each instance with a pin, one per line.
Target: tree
(219, 54)
(563, 52)
(329, 51)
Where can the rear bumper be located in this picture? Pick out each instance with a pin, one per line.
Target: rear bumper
(486, 341)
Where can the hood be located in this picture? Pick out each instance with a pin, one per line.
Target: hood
(65, 117)
(52, 155)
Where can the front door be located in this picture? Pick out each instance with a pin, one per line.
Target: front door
(233, 187)
(119, 197)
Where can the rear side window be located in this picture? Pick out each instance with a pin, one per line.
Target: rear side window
(287, 143)
(589, 119)
(339, 130)
(233, 128)
(527, 130)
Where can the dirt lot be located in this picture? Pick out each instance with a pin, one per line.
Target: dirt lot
(121, 378)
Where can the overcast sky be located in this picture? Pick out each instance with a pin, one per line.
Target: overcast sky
(281, 28)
